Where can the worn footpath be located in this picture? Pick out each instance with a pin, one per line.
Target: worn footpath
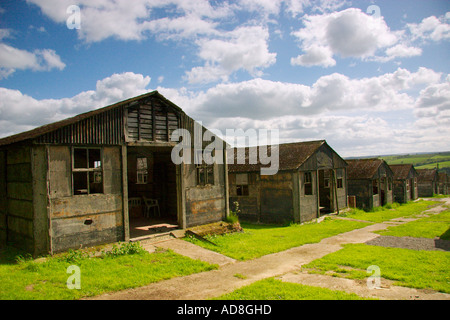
(283, 265)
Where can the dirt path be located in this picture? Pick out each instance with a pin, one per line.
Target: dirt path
(284, 265)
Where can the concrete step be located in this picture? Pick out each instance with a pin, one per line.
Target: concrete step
(154, 238)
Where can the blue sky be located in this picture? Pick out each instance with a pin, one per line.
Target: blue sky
(370, 77)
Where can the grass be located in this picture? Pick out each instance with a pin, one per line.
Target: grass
(408, 268)
(390, 211)
(430, 227)
(24, 278)
(259, 240)
(274, 289)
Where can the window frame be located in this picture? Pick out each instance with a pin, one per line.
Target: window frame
(375, 186)
(243, 190)
(142, 172)
(309, 183)
(208, 171)
(242, 184)
(88, 171)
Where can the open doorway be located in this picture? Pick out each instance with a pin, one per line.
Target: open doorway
(411, 189)
(383, 199)
(152, 191)
(325, 191)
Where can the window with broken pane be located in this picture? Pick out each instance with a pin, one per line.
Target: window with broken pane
(87, 171)
(142, 170)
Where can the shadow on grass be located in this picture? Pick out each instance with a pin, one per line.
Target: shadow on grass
(444, 241)
(9, 255)
(445, 235)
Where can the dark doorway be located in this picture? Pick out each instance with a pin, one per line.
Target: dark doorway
(383, 192)
(325, 191)
(152, 191)
(411, 189)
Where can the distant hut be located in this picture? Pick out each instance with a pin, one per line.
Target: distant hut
(427, 182)
(405, 182)
(311, 180)
(370, 182)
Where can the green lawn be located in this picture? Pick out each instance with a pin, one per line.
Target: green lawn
(408, 268)
(273, 289)
(259, 240)
(431, 227)
(389, 212)
(30, 279)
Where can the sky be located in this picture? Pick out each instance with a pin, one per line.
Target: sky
(369, 77)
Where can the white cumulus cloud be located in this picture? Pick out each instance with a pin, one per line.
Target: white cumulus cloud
(12, 59)
(20, 112)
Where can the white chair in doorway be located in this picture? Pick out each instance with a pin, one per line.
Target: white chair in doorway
(151, 205)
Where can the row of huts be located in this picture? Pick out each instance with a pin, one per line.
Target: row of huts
(109, 175)
(313, 179)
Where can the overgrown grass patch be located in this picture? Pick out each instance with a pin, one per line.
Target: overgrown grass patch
(430, 227)
(119, 269)
(258, 240)
(408, 268)
(274, 289)
(390, 211)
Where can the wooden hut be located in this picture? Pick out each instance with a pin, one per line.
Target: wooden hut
(405, 182)
(370, 182)
(427, 182)
(311, 180)
(105, 176)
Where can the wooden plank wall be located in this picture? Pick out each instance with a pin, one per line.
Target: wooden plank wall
(151, 121)
(19, 192)
(3, 199)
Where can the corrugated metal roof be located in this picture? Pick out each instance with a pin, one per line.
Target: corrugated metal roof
(34, 133)
(427, 174)
(364, 168)
(291, 156)
(401, 171)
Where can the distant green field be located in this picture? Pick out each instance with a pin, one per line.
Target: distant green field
(444, 164)
(421, 161)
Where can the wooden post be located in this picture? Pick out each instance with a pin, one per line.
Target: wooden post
(335, 190)
(226, 184)
(126, 217)
(317, 194)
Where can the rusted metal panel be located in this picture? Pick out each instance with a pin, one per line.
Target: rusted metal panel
(105, 128)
